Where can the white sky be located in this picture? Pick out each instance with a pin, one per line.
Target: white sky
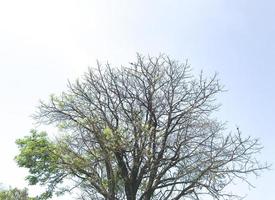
(45, 43)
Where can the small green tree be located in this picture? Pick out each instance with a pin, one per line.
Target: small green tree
(143, 132)
(15, 194)
(41, 157)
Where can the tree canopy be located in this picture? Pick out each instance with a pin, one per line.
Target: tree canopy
(141, 132)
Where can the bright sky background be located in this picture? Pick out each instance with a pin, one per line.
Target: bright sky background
(45, 43)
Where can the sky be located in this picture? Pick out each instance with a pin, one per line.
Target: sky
(43, 44)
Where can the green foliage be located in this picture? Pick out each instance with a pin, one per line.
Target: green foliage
(41, 157)
(15, 194)
(108, 133)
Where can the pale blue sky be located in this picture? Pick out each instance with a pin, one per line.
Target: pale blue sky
(44, 43)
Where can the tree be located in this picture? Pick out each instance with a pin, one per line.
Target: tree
(145, 132)
(15, 194)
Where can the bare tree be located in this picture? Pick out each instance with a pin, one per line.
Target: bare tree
(145, 132)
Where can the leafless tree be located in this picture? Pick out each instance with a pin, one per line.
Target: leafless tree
(146, 132)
